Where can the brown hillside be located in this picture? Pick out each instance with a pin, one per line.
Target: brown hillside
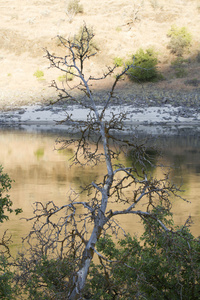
(121, 27)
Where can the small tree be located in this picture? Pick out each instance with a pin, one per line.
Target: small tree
(70, 233)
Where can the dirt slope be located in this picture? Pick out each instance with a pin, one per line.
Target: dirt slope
(27, 27)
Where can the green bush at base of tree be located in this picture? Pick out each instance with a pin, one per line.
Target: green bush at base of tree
(160, 265)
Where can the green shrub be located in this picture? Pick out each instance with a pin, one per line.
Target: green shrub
(160, 265)
(144, 68)
(39, 74)
(118, 61)
(5, 202)
(180, 40)
(7, 291)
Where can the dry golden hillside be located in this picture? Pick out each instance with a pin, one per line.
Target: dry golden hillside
(121, 27)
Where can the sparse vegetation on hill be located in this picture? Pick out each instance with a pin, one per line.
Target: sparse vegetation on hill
(120, 27)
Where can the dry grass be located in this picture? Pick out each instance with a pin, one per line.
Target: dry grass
(121, 27)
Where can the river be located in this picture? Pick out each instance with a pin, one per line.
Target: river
(41, 173)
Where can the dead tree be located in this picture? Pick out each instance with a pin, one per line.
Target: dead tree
(65, 231)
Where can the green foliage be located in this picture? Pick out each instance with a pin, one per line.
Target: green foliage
(118, 61)
(144, 66)
(75, 7)
(107, 246)
(164, 265)
(180, 40)
(46, 278)
(39, 74)
(5, 202)
(7, 290)
(39, 153)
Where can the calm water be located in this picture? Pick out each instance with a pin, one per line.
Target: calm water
(43, 174)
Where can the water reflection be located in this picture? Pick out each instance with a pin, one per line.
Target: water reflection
(43, 174)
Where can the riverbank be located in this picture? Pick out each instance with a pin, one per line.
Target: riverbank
(163, 119)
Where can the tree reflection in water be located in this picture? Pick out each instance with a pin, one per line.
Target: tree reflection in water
(42, 173)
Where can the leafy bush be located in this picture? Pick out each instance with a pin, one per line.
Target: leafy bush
(7, 291)
(39, 74)
(180, 40)
(50, 274)
(5, 202)
(144, 68)
(164, 265)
